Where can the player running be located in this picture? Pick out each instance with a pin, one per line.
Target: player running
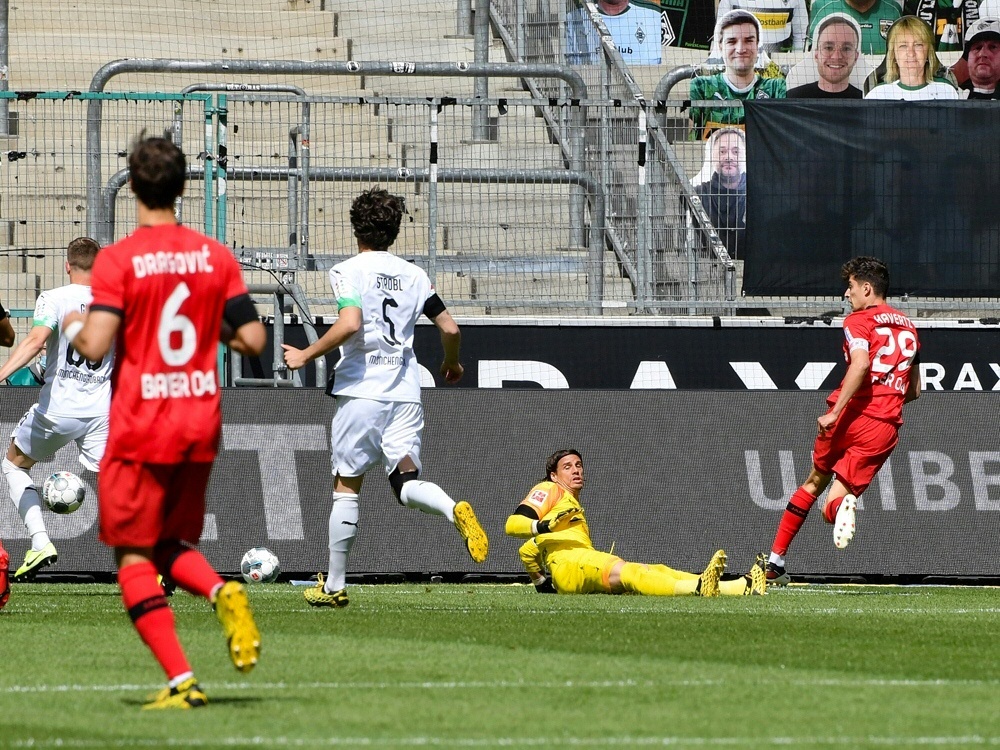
(861, 429)
(376, 383)
(72, 405)
(553, 521)
(166, 293)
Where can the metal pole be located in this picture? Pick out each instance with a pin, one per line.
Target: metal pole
(519, 30)
(221, 163)
(209, 171)
(642, 256)
(5, 66)
(577, 144)
(432, 193)
(293, 191)
(304, 251)
(481, 55)
(463, 18)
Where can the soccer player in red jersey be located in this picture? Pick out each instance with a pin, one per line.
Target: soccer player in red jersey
(857, 434)
(6, 339)
(165, 296)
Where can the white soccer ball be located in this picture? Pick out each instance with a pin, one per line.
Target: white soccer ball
(63, 492)
(260, 565)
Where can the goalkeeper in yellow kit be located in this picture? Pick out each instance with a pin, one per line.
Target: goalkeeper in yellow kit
(552, 520)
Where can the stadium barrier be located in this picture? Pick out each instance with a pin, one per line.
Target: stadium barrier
(669, 353)
(672, 476)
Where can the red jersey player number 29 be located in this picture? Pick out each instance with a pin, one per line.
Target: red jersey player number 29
(891, 363)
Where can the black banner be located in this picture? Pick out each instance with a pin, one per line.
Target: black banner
(729, 354)
(671, 476)
(906, 182)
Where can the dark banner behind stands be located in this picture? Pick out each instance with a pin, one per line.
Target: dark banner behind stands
(672, 476)
(902, 181)
(727, 354)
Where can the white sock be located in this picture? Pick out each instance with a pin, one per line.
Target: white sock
(180, 678)
(25, 498)
(777, 559)
(428, 498)
(343, 530)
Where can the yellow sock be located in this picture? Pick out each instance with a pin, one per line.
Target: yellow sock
(678, 575)
(737, 587)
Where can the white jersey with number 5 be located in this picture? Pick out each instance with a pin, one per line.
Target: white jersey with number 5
(378, 362)
(74, 386)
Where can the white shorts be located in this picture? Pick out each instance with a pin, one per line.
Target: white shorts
(39, 436)
(365, 432)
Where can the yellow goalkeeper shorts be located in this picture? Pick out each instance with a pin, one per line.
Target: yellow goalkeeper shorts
(581, 571)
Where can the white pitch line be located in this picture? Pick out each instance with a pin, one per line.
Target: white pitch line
(507, 684)
(258, 741)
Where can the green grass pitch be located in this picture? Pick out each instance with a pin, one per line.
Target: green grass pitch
(495, 666)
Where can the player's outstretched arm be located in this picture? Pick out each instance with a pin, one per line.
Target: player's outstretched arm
(347, 324)
(25, 351)
(451, 342)
(521, 523)
(7, 335)
(524, 522)
(93, 334)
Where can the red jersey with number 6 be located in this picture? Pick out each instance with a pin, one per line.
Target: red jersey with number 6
(170, 285)
(890, 339)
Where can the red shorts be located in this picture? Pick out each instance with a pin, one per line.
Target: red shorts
(855, 449)
(141, 504)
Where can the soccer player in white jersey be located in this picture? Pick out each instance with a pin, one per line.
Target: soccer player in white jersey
(72, 405)
(376, 383)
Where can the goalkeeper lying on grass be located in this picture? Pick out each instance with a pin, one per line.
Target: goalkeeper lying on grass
(552, 520)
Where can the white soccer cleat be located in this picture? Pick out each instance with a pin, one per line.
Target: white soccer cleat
(844, 525)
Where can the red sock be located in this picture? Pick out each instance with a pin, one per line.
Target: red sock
(831, 508)
(193, 573)
(152, 616)
(792, 520)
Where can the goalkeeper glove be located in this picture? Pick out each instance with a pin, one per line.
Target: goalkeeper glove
(570, 516)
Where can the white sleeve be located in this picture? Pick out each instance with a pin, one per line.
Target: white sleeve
(46, 313)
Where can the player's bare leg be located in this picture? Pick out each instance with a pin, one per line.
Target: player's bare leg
(24, 495)
(840, 510)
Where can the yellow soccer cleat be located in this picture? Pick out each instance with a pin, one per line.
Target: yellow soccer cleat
(468, 526)
(757, 577)
(709, 583)
(35, 560)
(233, 610)
(318, 596)
(186, 695)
